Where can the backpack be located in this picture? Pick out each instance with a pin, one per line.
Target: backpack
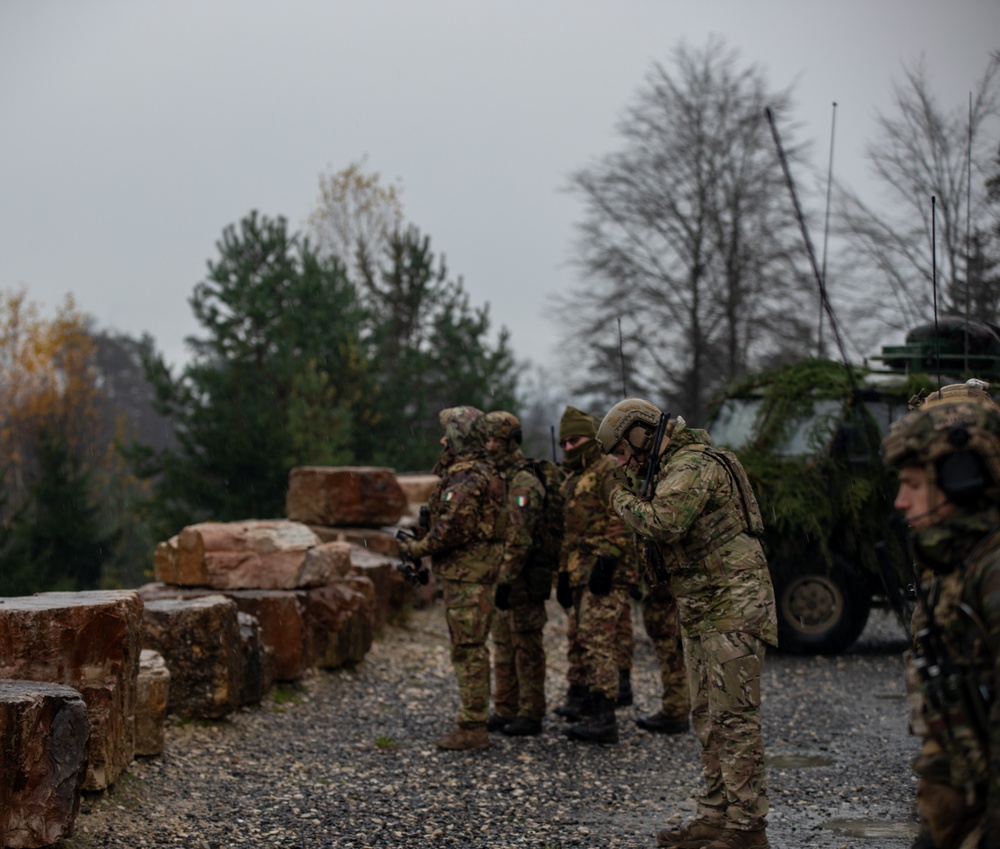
(549, 531)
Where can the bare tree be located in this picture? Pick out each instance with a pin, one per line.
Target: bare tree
(923, 151)
(689, 239)
(354, 219)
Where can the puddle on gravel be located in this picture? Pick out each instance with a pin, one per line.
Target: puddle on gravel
(874, 828)
(798, 761)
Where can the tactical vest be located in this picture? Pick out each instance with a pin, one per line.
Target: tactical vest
(739, 514)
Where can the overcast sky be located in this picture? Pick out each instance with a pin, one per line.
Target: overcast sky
(134, 132)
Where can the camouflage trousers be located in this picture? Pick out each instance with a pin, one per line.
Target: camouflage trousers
(662, 626)
(595, 651)
(724, 678)
(468, 609)
(519, 661)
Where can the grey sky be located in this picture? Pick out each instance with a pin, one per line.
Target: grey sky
(133, 133)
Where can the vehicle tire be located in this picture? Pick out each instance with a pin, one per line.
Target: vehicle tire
(822, 612)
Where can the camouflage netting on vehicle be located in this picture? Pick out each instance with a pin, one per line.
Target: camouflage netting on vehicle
(818, 498)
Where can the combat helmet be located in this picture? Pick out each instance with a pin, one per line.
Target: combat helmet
(619, 421)
(955, 435)
(503, 425)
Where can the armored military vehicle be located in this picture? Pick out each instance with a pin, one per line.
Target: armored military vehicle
(808, 436)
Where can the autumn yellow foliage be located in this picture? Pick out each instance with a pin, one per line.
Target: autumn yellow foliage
(47, 384)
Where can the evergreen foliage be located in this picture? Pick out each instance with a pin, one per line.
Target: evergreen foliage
(833, 494)
(275, 381)
(429, 349)
(54, 541)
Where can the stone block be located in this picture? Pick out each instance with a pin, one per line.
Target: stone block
(282, 618)
(364, 496)
(89, 641)
(340, 622)
(258, 660)
(44, 741)
(252, 554)
(199, 639)
(152, 702)
(417, 488)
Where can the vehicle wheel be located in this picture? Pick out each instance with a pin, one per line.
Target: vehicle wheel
(820, 612)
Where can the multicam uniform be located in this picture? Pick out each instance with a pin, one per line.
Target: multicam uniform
(700, 521)
(519, 656)
(465, 542)
(590, 531)
(662, 626)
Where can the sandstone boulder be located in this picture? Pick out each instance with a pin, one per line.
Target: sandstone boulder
(417, 488)
(258, 660)
(365, 496)
(252, 554)
(340, 622)
(199, 638)
(89, 641)
(152, 701)
(45, 740)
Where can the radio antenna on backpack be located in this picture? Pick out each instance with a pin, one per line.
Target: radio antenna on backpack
(934, 295)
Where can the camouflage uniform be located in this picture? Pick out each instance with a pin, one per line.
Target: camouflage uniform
(519, 653)
(953, 669)
(465, 542)
(662, 626)
(591, 530)
(718, 575)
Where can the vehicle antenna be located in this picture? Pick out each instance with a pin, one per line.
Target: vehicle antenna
(827, 307)
(937, 335)
(621, 355)
(826, 226)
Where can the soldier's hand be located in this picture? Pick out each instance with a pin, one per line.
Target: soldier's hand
(406, 551)
(613, 481)
(501, 597)
(601, 574)
(564, 592)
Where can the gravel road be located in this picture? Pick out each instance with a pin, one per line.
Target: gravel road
(346, 759)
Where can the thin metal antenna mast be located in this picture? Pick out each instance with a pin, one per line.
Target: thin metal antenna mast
(809, 247)
(968, 237)
(621, 355)
(826, 227)
(937, 335)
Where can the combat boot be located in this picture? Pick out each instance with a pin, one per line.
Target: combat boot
(600, 726)
(694, 835)
(576, 698)
(624, 688)
(465, 738)
(495, 722)
(734, 839)
(522, 726)
(659, 723)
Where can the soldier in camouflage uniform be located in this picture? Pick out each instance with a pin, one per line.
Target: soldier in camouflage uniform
(593, 582)
(663, 627)
(948, 451)
(519, 652)
(468, 510)
(704, 521)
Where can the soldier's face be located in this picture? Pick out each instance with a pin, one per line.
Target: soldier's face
(921, 502)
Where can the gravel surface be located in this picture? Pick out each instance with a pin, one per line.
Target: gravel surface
(346, 759)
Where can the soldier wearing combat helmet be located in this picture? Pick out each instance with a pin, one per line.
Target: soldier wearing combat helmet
(948, 454)
(702, 518)
(468, 510)
(519, 650)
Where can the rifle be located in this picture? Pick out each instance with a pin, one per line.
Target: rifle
(414, 572)
(654, 459)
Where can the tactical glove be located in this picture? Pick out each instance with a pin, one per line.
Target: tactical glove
(615, 479)
(502, 597)
(564, 592)
(601, 574)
